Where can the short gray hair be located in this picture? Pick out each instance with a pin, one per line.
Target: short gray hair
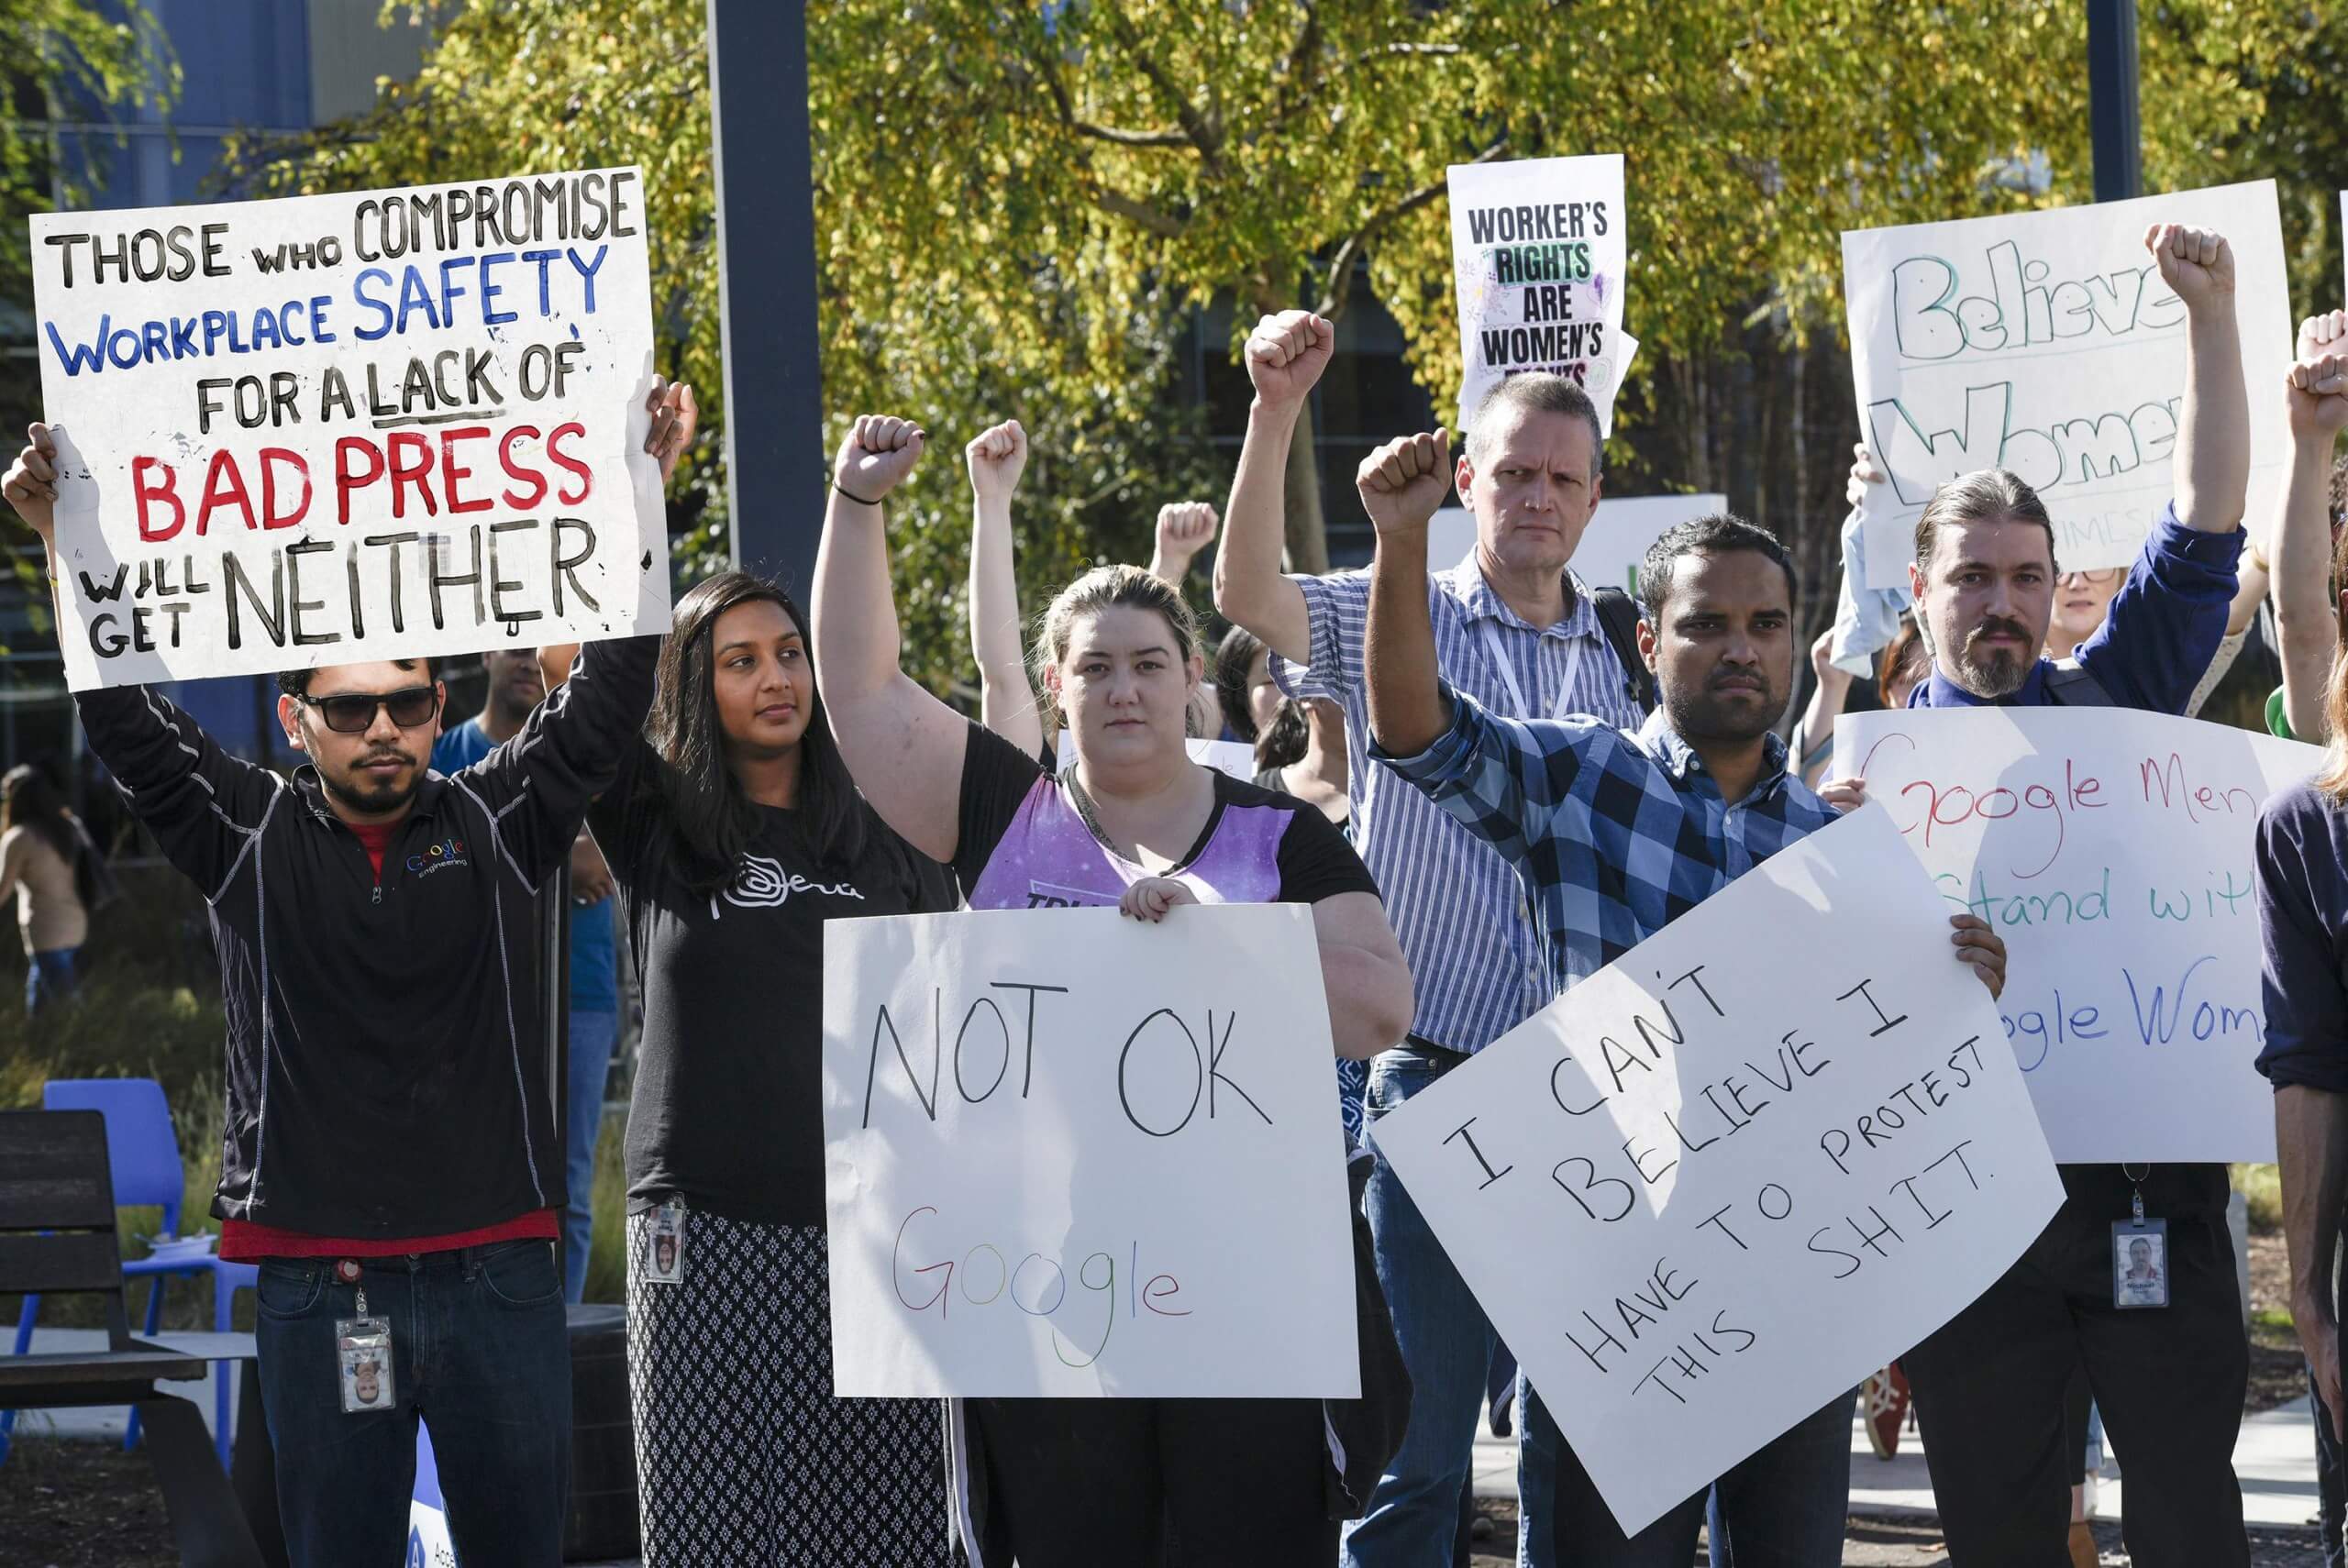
(1534, 392)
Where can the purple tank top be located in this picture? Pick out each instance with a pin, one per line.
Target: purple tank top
(1048, 859)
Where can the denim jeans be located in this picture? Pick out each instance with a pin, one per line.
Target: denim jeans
(593, 1035)
(51, 978)
(1414, 1514)
(479, 1350)
(1785, 1506)
(2331, 1489)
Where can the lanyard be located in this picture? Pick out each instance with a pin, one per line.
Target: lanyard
(1523, 710)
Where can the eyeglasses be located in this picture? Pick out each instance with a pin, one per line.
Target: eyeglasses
(353, 713)
(2104, 578)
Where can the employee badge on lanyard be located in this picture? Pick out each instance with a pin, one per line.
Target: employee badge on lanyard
(362, 1348)
(2139, 1253)
(664, 1260)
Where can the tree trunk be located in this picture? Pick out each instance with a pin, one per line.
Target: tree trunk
(1307, 530)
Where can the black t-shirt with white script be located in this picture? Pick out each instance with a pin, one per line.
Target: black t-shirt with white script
(728, 1104)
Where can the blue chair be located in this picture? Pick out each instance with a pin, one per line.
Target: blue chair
(145, 1154)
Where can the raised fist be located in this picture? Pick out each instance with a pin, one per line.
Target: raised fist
(1404, 482)
(2319, 382)
(879, 451)
(1285, 354)
(996, 458)
(1184, 528)
(2197, 263)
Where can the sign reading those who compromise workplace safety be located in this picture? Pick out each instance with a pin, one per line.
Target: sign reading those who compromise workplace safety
(1728, 1175)
(2047, 344)
(326, 429)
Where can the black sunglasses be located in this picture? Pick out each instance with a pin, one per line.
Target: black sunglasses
(353, 713)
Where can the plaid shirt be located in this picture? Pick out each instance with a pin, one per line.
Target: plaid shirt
(1613, 835)
(1475, 959)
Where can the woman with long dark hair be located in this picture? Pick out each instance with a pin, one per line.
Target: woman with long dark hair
(1137, 825)
(734, 834)
(49, 862)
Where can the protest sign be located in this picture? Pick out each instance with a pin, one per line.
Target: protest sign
(1725, 1178)
(1539, 250)
(2111, 849)
(1613, 547)
(1069, 1153)
(2046, 343)
(1224, 756)
(328, 429)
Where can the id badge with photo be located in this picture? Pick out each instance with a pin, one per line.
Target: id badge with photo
(664, 1258)
(2139, 1262)
(363, 1363)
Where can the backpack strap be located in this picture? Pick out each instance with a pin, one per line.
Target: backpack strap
(2071, 684)
(1619, 616)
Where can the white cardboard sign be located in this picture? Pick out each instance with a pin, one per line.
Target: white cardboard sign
(1612, 549)
(2112, 850)
(2046, 343)
(1067, 1153)
(1735, 1171)
(1539, 250)
(327, 429)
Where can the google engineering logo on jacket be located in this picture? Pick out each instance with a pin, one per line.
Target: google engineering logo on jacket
(762, 884)
(449, 851)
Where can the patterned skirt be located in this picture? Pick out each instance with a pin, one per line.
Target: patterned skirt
(743, 1456)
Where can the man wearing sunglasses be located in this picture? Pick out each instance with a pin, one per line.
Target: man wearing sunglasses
(389, 1157)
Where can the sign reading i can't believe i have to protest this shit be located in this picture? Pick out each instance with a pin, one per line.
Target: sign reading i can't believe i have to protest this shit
(2114, 851)
(1067, 1153)
(326, 429)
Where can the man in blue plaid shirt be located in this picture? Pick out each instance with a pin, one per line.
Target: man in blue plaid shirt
(1613, 833)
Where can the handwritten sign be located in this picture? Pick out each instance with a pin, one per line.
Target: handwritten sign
(2112, 850)
(1067, 1153)
(1234, 757)
(1539, 250)
(1730, 1174)
(1612, 549)
(335, 428)
(2046, 343)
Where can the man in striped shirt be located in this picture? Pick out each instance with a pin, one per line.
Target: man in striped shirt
(1517, 630)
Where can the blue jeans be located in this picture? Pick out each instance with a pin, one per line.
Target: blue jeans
(479, 1350)
(1414, 1514)
(51, 980)
(593, 1035)
(1785, 1506)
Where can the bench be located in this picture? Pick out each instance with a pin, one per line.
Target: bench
(56, 1237)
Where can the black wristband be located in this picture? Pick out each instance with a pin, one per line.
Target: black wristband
(852, 495)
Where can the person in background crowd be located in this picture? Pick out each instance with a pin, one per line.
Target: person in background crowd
(386, 1161)
(2308, 619)
(1611, 834)
(1251, 704)
(1135, 825)
(1524, 635)
(49, 862)
(1902, 663)
(1315, 774)
(736, 836)
(1989, 1384)
(515, 686)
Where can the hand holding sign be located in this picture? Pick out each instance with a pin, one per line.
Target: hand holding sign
(1286, 355)
(879, 451)
(675, 418)
(31, 484)
(2195, 263)
(1404, 482)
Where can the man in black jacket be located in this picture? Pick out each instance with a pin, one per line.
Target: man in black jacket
(391, 1157)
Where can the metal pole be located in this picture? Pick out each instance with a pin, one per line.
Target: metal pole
(760, 153)
(2111, 99)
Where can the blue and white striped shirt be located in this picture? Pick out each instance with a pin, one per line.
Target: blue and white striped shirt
(1615, 834)
(1466, 927)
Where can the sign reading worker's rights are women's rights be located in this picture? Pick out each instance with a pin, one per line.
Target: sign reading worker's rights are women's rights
(327, 429)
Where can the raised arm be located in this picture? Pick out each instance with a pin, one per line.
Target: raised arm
(903, 746)
(2306, 619)
(2213, 433)
(1285, 355)
(1401, 483)
(1184, 528)
(1006, 698)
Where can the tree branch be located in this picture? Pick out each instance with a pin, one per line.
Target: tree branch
(1117, 203)
(1204, 135)
(1332, 291)
(1115, 134)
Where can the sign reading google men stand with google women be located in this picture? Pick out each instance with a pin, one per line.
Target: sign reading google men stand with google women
(333, 428)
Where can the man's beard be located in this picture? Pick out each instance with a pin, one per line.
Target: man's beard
(2000, 674)
(372, 798)
(1702, 716)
